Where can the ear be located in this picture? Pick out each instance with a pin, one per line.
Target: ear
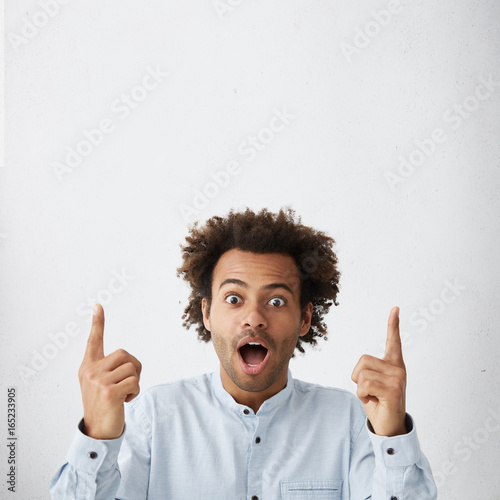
(306, 319)
(205, 309)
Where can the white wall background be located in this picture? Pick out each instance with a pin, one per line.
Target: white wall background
(356, 113)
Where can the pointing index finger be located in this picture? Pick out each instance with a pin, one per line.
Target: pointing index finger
(393, 350)
(95, 348)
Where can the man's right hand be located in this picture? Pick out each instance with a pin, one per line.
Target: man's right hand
(106, 383)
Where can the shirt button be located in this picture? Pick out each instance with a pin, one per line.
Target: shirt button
(246, 411)
(93, 454)
(394, 498)
(257, 440)
(255, 497)
(390, 451)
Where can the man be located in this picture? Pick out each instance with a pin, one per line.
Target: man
(261, 284)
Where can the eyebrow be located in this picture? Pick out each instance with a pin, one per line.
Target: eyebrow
(271, 286)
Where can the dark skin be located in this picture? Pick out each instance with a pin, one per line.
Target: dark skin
(381, 382)
(264, 299)
(254, 296)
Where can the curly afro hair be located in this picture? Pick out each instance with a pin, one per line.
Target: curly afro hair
(262, 232)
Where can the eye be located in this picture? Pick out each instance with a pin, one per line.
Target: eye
(277, 302)
(232, 299)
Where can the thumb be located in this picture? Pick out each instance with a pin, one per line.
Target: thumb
(95, 347)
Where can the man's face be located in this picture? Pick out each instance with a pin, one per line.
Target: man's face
(255, 318)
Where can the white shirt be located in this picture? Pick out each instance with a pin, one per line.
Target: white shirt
(191, 440)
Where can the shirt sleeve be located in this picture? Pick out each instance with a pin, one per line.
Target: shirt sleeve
(93, 468)
(398, 468)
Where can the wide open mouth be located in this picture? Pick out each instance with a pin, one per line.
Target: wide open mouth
(253, 353)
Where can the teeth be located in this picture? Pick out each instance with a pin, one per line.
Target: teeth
(253, 343)
(251, 365)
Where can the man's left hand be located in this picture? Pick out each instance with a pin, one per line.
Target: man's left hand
(382, 384)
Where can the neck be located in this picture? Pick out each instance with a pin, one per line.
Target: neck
(253, 399)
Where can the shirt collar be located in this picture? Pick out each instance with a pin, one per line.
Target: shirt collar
(269, 406)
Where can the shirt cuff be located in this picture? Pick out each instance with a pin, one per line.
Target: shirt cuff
(91, 455)
(396, 451)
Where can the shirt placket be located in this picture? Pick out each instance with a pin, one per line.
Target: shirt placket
(257, 456)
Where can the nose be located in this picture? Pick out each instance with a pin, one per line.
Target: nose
(253, 317)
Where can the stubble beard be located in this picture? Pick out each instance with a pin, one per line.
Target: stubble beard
(280, 357)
